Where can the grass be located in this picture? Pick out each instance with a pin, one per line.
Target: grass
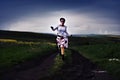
(55, 70)
(105, 55)
(59, 63)
(15, 48)
(13, 52)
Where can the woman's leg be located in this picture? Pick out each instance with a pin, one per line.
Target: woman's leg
(62, 52)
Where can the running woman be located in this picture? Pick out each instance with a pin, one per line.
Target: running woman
(62, 36)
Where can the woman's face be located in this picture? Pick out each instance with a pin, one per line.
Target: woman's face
(62, 22)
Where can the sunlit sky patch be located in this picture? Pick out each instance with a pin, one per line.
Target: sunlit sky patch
(82, 16)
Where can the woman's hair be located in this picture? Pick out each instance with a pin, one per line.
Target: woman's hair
(62, 19)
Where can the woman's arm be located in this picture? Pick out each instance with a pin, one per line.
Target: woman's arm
(54, 28)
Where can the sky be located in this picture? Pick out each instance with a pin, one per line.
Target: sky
(82, 16)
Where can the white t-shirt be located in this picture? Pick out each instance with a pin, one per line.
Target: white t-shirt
(62, 31)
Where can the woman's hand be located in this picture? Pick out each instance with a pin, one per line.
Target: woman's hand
(52, 28)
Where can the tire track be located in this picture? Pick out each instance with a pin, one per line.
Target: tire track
(80, 69)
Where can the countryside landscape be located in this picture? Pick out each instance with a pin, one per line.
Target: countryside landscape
(34, 56)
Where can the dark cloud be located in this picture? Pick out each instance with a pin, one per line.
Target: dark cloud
(14, 9)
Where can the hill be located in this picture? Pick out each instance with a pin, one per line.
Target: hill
(25, 35)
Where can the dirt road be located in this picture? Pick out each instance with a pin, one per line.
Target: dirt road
(80, 69)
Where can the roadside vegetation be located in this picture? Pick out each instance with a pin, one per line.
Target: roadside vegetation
(105, 53)
(13, 52)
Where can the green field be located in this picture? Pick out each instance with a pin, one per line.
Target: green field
(105, 52)
(13, 52)
(18, 47)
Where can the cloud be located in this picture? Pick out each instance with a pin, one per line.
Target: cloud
(82, 16)
(78, 23)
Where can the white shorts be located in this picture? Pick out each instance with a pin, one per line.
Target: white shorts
(62, 42)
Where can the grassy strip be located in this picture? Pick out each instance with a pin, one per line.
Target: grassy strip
(55, 70)
(105, 55)
(58, 62)
(12, 53)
